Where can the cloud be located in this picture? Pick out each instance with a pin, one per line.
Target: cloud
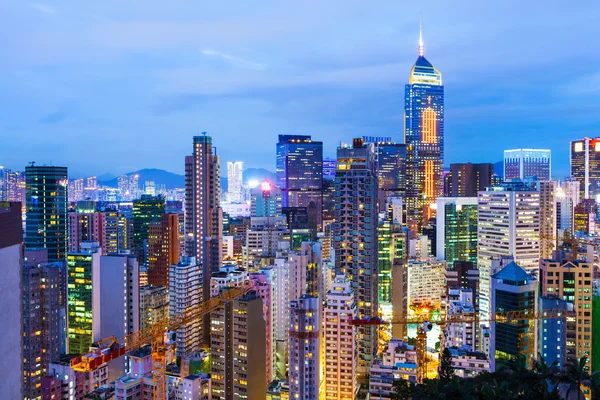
(585, 85)
(44, 8)
(54, 117)
(237, 61)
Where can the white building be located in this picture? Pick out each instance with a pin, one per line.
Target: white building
(281, 303)
(234, 181)
(67, 384)
(341, 352)
(425, 282)
(305, 271)
(468, 363)
(304, 349)
(460, 304)
(262, 240)
(115, 293)
(185, 281)
(228, 276)
(399, 362)
(508, 225)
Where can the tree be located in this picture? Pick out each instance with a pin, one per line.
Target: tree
(446, 369)
(402, 389)
(575, 376)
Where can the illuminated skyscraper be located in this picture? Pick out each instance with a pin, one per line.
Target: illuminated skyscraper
(355, 237)
(391, 172)
(300, 171)
(585, 166)
(203, 213)
(424, 139)
(163, 249)
(234, 181)
(146, 210)
(46, 225)
(527, 163)
(467, 179)
(265, 200)
(457, 229)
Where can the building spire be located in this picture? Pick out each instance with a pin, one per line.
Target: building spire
(421, 46)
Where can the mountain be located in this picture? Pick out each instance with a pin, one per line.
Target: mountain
(259, 174)
(499, 168)
(159, 176)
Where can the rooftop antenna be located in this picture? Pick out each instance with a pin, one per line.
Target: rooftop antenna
(31, 163)
(421, 46)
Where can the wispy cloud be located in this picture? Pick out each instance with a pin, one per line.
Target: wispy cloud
(42, 7)
(54, 117)
(585, 85)
(240, 62)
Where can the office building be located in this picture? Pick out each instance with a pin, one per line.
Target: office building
(265, 200)
(80, 300)
(163, 249)
(527, 163)
(14, 187)
(513, 289)
(466, 179)
(425, 282)
(185, 291)
(154, 305)
(508, 225)
(46, 215)
(399, 361)
(457, 229)
(304, 353)
(567, 197)
(548, 217)
(391, 172)
(329, 166)
(585, 166)
(146, 210)
(552, 333)
(119, 231)
(11, 239)
(341, 353)
(238, 350)
(585, 216)
(234, 181)
(424, 138)
(203, 214)
(41, 318)
(355, 237)
(572, 281)
(300, 171)
(87, 225)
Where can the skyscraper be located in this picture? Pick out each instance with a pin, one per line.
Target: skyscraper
(424, 139)
(467, 179)
(527, 163)
(203, 213)
(585, 166)
(265, 200)
(305, 348)
(234, 181)
(391, 158)
(355, 237)
(46, 215)
(457, 229)
(163, 249)
(300, 171)
(146, 210)
(87, 225)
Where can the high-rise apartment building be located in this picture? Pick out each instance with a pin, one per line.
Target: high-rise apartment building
(185, 291)
(11, 239)
(527, 163)
(585, 215)
(552, 333)
(234, 181)
(238, 350)
(460, 303)
(154, 305)
(457, 229)
(466, 179)
(424, 138)
(567, 197)
(304, 354)
(304, 269)
(355, 237)
(513, 289)
(585, 166)
(14, 186)
(119, 231)
(264, 285)
(146, 210)
(265, 200)
(80, 300)
(572, 281)
(548, 216)
(300, 171)
(341, 353)
(425, 282)
(203, 213)
(163, 249)
(87, 225)
(329, 166)
(41, 319)
(46, 215)
(508, 225)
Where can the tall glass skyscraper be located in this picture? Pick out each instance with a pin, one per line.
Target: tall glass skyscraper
(300, 171)
(46, 226)
(585, 166)
(527, 163)
(457, 229)
(424, 138)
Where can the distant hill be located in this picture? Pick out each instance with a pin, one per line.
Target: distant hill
(159, 176)
(499, 168)
(259, 174)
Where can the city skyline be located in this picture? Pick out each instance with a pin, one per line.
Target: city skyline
(122, 80)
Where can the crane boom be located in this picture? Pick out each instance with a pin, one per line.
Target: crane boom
(112, 348)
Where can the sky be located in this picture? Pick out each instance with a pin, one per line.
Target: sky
(117, 86)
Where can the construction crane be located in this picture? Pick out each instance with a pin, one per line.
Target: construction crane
(425, 321)
(112, 348)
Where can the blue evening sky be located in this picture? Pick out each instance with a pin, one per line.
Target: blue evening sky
(115, 86)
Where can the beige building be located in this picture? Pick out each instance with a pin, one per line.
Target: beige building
(154, 305)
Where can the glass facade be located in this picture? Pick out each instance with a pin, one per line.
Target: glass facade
(585, 166)
(300, 171)
(527, 163)
(46, 225)
(79, 302)
(424, 139)
(145, 210)
(460, 232)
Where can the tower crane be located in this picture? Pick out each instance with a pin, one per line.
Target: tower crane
(425, 321)
(112, 348)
